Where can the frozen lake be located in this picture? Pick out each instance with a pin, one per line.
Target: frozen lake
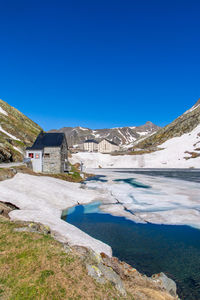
(129, 215)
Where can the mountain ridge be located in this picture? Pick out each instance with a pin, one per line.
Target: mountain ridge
(185, 123)
(123, 136)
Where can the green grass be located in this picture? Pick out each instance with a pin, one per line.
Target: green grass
(34, 266)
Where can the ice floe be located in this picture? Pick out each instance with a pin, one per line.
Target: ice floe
(166, 201)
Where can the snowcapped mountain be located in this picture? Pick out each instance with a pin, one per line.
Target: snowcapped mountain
(123, 136)
(187, 125)
(177, 145)
(16, 132)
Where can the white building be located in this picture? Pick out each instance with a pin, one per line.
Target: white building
(90, 146)
(106, 146)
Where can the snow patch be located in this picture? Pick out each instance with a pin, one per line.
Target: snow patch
(19, 150)
(142, 133)
(42, 199)
(192, 109)
(82, 128)
(8, 134)
(2, 111)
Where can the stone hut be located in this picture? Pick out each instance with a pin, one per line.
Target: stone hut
(49, 153)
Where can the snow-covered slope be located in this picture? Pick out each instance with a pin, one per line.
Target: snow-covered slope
(123, 136)
(178, 152)
(16, 132)
(182, 125)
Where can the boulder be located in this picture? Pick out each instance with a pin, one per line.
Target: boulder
(167, 283)
(34, 227)
(101, 269)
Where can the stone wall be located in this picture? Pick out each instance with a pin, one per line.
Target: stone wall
(52, 160)
(64, 157)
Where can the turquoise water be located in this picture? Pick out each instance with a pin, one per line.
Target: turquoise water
(133, 182)
(174, 250)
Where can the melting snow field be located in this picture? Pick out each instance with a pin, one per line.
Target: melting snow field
(139, 198)
(42, 199)
(144, 199)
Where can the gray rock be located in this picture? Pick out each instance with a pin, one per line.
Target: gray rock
(167, 283)
(67, 249)
(34, 227)
(25, 229)
(95, 273)
(112, 277)
(101, 273)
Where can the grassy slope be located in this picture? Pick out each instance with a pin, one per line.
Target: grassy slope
(35, 266)
(19, 126)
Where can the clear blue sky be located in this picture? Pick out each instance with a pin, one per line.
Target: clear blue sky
(100, 63)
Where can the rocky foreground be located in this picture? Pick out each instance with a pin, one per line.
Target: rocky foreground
(35, 266)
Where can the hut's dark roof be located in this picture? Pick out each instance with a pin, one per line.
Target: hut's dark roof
(91, 141)
(48, 139)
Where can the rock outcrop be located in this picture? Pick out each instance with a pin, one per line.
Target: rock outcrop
(125, 278)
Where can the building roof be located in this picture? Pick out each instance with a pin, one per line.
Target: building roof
(91, 141)
(110, 142)
(47, 139)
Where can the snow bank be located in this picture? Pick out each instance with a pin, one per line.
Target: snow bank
(171, 157)
(42, 199)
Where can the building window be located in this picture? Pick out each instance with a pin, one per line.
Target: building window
(46, 155)
(37, 155)
(31, 155)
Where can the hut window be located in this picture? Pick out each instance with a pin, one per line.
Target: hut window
(31, 155)
(46, 155)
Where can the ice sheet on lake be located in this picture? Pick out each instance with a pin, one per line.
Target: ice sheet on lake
(167, 201)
